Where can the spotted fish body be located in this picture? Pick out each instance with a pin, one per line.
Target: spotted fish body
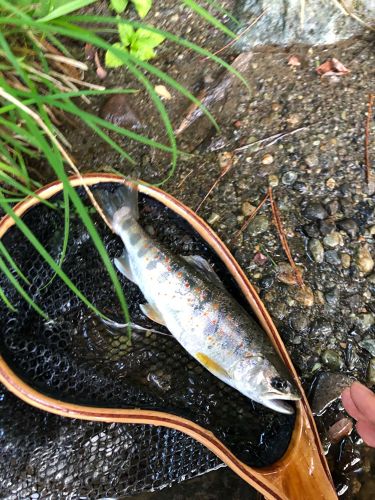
(185, 295)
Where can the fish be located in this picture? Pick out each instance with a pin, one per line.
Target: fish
(185, 294)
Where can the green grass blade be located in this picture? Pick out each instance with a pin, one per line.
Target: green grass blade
(208, 17)
(217, 5)
(65, 9)
(11, 261)
(6, 301)
(21, 188)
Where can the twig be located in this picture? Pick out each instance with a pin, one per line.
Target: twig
(283, 240)
(239, 36)
(227, 159)
(367, 137)
(53, 139)
(249, 219)
(273, 138)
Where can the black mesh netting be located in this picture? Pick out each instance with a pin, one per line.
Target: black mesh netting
(73, 356)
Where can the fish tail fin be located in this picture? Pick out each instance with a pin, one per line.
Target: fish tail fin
(118, 205)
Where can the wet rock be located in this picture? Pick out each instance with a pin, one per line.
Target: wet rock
(332, 359)
(327, 388)
(300, 322)
(247, 208)
(345, 260)
(273, 180)
(267, 159)
(332, 257)
(331, 184)
(333, 240)
(326, 227)
(213, 218)
(364, 260)
(289, 178)
(332, 297)
(371, 372)
(315, 211)
(316, 250)
(301, 187)
(118, 110)
(258, 225)
(365, 321)
(321, 328)
(349, 226)
(305, 296)
(323, 22)
(260, 259)
(285, 274)
(312, 160)
(311, 230)
(340, 429)
(368, 345)
(333, 207)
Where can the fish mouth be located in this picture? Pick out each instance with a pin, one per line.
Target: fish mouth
(278, 402)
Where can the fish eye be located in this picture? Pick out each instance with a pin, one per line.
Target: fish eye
(279, 384)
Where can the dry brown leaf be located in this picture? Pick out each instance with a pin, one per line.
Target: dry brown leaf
(332, 67)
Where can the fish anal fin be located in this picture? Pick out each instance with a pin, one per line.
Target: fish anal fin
(204, 267)
(152, 313)
(211, 365)
(122, 264)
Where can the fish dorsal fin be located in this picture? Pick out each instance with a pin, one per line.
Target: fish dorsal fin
(204, 267)
(211, 365)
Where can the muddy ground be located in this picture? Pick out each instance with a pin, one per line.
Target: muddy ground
(318, 180)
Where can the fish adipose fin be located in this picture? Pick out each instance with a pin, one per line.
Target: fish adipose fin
(204, 267)
(119, 205)
(211, 365)
(122, 264)
(152, 313)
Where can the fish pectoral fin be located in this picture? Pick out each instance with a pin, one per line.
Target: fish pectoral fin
(211, 365)
(122, 264)
(204, 267)
(152, 313)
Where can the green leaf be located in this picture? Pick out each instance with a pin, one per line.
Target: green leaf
(148, 38)
(126, 33)
(66, 8)
(119, 5)
(142, 52)
(111, 60)
(142, 7)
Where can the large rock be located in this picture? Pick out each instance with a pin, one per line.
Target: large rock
(323, 21)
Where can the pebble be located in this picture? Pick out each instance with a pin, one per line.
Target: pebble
(267, 159)
(285, 274)
(332, 257)
(332, 359)
(315, 211)
(273, 180)
(321, 328)
(312, 160)
(300, 322)
(364, 260)
(349, 226)
(331, 184)
(247, 208)
(333, 240)
(327, 226)
(213, 218)
(333, 207)
(340, 429)
(258, 225)
(327, 388)
(345, 260)
(117, 110)
(368, 345)
(289, 178)
(365, 321)
(332, 297)
(305, 296)
(260, 259)
(371, 371)
(316, 250)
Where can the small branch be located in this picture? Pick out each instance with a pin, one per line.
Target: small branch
(273, 138)
(367, 137)
(249, 219)
(227, 164)
(283, 240)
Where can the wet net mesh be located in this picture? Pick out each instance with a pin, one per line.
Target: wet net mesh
(74, 357)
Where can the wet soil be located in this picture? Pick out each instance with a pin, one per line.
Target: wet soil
(318, 180)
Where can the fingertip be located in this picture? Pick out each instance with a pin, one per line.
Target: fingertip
(367, 432)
